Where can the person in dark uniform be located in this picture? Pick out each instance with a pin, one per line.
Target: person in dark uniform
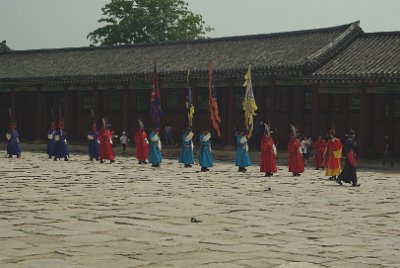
(388, 155)
(349, 174)
(12, 137)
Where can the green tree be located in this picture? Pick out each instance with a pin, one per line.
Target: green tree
(144, 21)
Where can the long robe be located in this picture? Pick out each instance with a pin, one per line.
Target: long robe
(50, 142)
(155, 157)
(333, 154)
(268, 157)
(186, 156)
(105, 147)
(93, 147)
(205, 158)
(296, 164)
(348, 173)
(60, 149)
(142, 145)
(13, 147)
(242, 156)
(319, 148)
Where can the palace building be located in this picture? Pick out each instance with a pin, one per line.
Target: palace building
(314, 79)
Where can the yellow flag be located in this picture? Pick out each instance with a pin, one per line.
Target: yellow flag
(249, 103)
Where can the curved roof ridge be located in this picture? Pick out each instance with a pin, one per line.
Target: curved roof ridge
(334, 47)
(205, 40)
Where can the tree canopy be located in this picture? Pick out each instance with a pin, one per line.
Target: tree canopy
(144, 21)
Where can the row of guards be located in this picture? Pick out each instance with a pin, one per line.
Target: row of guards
(149, 148)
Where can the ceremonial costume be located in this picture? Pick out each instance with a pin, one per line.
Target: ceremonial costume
(348, 174)
(205, 157)
(319, 148)
(60, 149)
(186, 156)
(242, 159)
(106, 151)
(12, 137)
(155, 157)
(333, 154)
(93, 137)
(296, 164)
(50, 140)
(268, 155)
(142, 146)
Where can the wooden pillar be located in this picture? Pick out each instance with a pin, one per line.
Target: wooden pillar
(315, 113)
(13, 102)
(126, 113)
(362, 122)
(262, 91)
(66, 112)
(225, 116)
(271, 108)
(231, 112)
(39, 115)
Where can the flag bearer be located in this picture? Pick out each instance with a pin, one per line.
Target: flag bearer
(186, 156)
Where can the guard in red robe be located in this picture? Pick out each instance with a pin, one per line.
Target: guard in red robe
(106, 151)
(296, 164)
(333, 155)
(142, 144)
(319, 149)
(268, 153)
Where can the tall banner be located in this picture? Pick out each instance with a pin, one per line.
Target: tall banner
(249, 103)
(155, 100)
(212, 103)
(189, 101)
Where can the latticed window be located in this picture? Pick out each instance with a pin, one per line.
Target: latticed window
(88, 102)
(354, 102)
(115, 102)
(173, 99)
(143, 101)
(202, 101)
(308, 100)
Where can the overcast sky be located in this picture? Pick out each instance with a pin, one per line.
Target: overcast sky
(30, 24)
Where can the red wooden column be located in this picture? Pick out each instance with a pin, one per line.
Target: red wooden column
(225, 115)
(362, 122)
(231, 113)
(271, 108)
(66, 112)
(126, 112)
(315, 113)
(13, 102)
(39, 115)
(194, 100)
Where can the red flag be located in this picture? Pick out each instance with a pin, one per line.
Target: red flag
(212, 103)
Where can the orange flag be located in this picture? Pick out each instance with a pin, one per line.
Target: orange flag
(212, 103)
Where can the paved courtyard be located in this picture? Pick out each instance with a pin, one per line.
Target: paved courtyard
(83, 214)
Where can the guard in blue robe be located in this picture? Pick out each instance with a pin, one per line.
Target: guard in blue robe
(242, 154)
(12, 137)
(60, 149)
(186, 156)
(93, 136)
(50, 140)
(205, 157)
(155, 157)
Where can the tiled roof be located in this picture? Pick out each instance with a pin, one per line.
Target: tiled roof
(277, 53)
(370, 56)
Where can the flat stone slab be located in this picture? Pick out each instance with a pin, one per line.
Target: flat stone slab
(86, 214)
